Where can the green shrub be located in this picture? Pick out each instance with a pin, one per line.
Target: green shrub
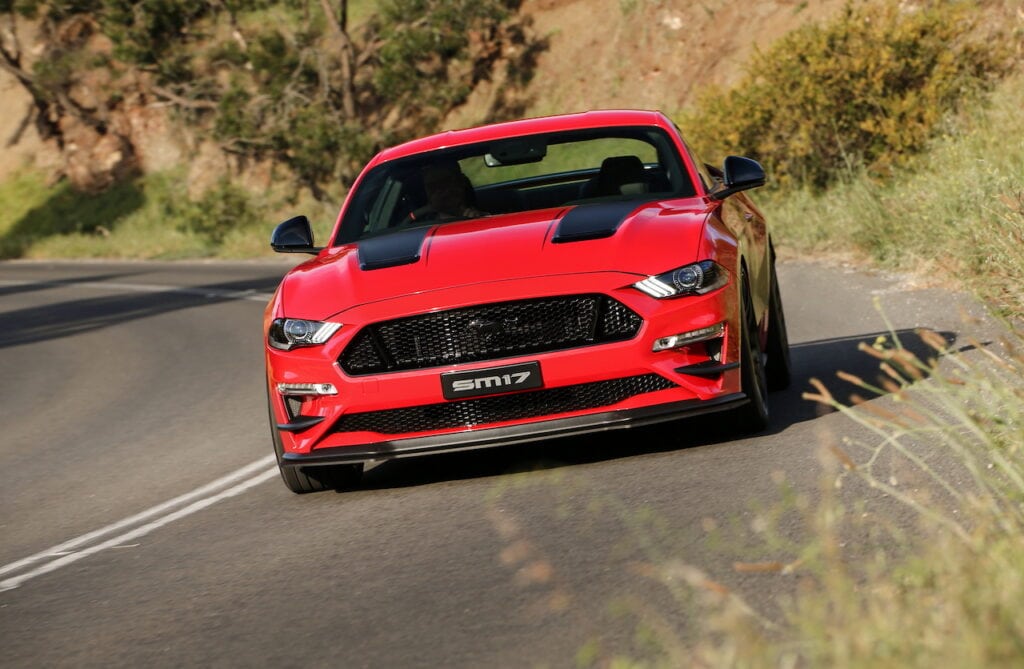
(866, 89)
(218, 212)
(423, 39)
(143, 31)
(956, 210)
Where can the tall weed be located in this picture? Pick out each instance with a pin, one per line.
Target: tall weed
(952, 598)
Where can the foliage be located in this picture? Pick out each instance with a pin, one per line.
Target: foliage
(144, 31)
(957, 210)
(277, 80)
(152, 216)
(218, 212)
(35, 212)
(869, 88)
(425, 40)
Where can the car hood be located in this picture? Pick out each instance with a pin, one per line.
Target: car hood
(639, 238)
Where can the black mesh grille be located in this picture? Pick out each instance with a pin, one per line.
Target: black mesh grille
(515, 406)
(488, 332)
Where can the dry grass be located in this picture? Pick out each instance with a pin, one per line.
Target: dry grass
(957, 212)
(951, 597)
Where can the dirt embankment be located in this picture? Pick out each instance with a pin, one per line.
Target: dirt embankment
(646, 54)
(649, 54)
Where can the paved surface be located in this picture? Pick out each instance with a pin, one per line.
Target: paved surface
(142, 522)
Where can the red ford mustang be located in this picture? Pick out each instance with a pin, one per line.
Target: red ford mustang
(519, 282)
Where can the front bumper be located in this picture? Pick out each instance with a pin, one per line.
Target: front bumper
(515, 434)
(316, 432)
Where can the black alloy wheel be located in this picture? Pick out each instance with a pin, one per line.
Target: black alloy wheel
(778, 367)
(753, 416)
(302, 480)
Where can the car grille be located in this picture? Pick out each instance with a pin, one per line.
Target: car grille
(488, 332)
(515, 406)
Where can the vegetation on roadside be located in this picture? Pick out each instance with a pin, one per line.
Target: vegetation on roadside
(943, 434)
(868, 89)
(956, 213)
(879, 142)
(149, 217)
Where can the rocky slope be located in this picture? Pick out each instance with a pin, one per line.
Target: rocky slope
(597, 54)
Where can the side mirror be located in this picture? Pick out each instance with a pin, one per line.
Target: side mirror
(294, 236)
(739, 174)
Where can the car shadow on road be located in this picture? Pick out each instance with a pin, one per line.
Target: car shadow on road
(57, 320)
(27, 286)
(820, 359)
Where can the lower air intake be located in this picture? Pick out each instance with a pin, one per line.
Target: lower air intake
(515, 406)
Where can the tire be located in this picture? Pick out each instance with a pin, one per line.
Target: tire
(753, 416)
(302, 480)
(778, 366)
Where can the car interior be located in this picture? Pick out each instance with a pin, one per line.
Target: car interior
(519, 175)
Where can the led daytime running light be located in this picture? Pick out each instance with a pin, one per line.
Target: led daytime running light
(691, 337)
(306, 389)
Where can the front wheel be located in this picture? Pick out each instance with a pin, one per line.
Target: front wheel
(302, 480)
(753, 416)
(778, 367)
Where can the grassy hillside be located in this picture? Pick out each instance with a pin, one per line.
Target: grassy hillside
(955, 212)
(150, 217)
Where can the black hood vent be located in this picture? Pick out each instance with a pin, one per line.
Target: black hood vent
(397, 248)
(594, 221)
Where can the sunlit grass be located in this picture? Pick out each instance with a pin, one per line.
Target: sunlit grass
(957, 211)
(957, 420)
(151, 217)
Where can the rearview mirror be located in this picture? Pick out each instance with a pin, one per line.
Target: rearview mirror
(739, 174)
(294, 236)
(519, 151)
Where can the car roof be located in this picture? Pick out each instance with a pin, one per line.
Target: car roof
(579, 121)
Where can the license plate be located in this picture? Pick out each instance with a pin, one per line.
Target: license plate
(491, 381)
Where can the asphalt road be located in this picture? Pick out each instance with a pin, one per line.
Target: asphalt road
(142, 521)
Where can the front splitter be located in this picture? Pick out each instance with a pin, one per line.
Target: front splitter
(516, 434)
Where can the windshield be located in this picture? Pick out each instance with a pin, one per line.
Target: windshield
(515, 175)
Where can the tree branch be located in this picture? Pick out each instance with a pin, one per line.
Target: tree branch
(347, 53)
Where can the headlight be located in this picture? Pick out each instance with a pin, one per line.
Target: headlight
(288, 333)
(696, 279)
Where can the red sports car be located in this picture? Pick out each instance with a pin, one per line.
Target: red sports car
(518, 282)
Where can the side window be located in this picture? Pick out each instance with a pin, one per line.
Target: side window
(383, 206)
(706, 177)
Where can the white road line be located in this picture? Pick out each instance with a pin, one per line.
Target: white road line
(211, 293)
(64, 554)
(70, 551)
